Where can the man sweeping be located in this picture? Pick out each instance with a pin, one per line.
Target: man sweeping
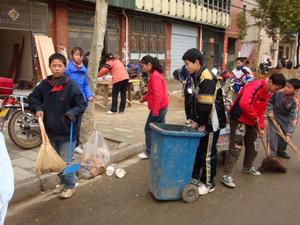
(246, 122)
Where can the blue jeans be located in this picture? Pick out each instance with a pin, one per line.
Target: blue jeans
(62, 148)
(153, 119)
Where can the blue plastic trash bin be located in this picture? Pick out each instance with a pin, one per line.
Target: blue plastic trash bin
(173, 153)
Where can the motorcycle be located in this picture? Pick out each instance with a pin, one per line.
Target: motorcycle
(23, 127)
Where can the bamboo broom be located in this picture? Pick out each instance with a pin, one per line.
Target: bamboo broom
(282, 135)
(48, 159)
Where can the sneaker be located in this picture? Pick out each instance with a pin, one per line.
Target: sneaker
(121, 112)
(188, 121)
(283, 154)
(251, 171)
(204, 189)
(78, 150)
(228, 181)
(143, 156)
(67, 193)
(58, 189)
(110, 112)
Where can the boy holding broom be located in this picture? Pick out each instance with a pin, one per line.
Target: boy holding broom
(283, 107)
(59, 102)
(247, 122)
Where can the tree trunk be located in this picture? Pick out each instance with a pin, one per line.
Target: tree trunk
(88, 121)
(298, 50)
(258, 47)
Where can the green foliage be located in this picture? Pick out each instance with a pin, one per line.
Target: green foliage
(241, 23)
(278, 16)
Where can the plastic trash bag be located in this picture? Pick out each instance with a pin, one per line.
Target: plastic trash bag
(6, 179)
(96, 156)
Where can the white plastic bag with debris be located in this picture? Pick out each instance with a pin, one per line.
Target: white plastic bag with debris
(6, 179)
(96, 156)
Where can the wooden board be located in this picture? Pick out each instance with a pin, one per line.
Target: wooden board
(45, 49)
(40, 57)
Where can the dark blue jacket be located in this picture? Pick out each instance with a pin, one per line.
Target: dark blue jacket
(56, 105)
(80, 76)
(184, 76)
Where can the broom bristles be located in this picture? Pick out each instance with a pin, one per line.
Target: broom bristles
(272, 165)
(48, 160)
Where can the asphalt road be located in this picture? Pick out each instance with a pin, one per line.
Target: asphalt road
(269, 199)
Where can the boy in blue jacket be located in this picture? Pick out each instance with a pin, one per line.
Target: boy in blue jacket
(59, 101)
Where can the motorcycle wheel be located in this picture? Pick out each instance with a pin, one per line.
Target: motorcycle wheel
(26, 138)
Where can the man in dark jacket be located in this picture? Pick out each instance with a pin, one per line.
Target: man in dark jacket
(59, 102)
(208, 114)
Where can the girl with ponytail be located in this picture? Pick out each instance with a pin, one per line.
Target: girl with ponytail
(156, 97)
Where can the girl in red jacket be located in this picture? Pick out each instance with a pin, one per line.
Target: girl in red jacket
(156, 97)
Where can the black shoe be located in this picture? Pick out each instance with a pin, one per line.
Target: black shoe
(283, 154)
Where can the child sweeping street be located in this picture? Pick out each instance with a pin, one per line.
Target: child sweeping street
(284, 108)
(208, 114)
(246, 122)
(59, 102)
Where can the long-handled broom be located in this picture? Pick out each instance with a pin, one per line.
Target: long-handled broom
(48, 160)
(282, 135)
(270, 164)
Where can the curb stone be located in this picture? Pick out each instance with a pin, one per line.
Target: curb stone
(33, 186)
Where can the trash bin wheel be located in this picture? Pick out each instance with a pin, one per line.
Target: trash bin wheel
(190, 193)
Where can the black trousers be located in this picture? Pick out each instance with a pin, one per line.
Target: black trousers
(120, 86)
(205, 165)
(188, 102)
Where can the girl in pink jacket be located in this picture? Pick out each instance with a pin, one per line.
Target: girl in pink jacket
(120, 79)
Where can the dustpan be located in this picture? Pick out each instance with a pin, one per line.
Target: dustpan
(71, 167)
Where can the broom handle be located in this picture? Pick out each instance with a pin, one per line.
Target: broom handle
(70, 154)
(43, 131)
(263, 142)
(282, 135)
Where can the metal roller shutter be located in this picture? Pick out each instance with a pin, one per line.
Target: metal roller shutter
(183, 38)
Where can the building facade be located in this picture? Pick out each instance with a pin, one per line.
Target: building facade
(162, 28)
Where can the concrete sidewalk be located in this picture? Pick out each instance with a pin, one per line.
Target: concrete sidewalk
(124, 134)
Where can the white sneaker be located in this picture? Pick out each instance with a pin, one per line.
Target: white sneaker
(110, 112)
(204, 189)
(143, 156)
(67, 193)
(188, 121)
(78, 150)
(58, 189)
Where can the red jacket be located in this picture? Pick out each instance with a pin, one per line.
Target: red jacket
(157, 95)
(251, 103)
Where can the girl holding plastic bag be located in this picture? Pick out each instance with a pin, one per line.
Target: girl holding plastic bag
(6, 179)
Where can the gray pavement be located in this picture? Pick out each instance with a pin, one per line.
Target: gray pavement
(123, 132)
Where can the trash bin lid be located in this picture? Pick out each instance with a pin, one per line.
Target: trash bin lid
(176, 130)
